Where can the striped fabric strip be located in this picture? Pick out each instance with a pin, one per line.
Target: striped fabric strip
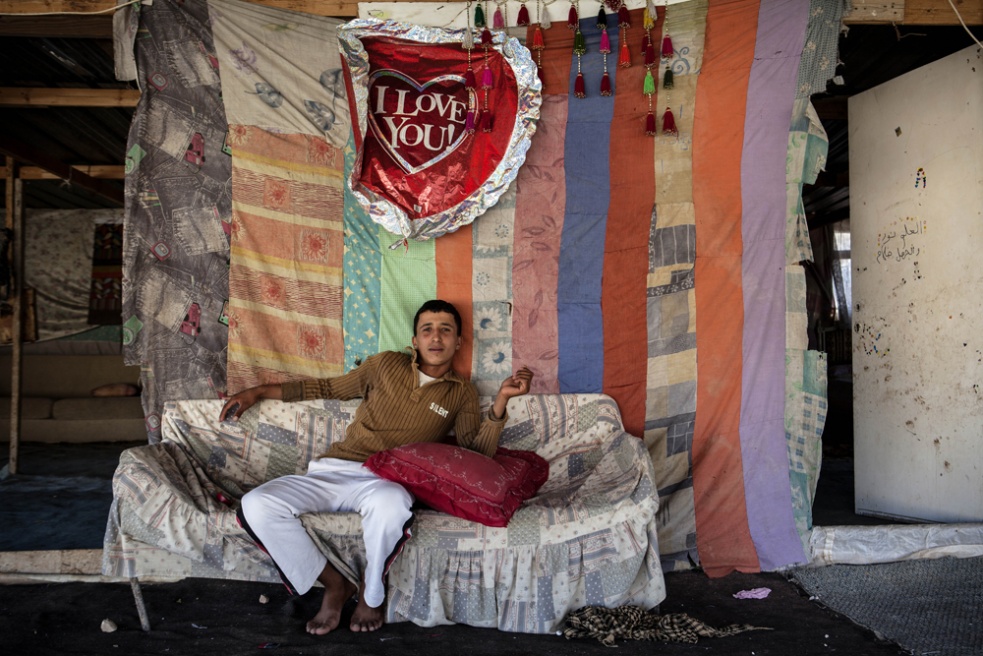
(452, 253)
(492, 294)
(540, 207)
(363, 276)
(723, 537)
(285, 274)
(586, 157)
(626, 254)
(409, 278)
(771, 94)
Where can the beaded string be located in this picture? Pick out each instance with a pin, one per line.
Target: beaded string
(485, 121)
(579, 47)
(538, 39)
(604, 49)
(648, 86)
(624, 22)
(469, 82)
(668, 120)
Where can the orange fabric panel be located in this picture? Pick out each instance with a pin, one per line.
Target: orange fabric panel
(723, 536)
(626, 255)
(452, 253)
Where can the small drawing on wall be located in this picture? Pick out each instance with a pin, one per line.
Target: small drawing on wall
(870, 340)
(921, 178)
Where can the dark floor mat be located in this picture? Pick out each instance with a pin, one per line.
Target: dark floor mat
(928, 606)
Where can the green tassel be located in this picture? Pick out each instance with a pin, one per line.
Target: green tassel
(579, 43)
(649, 87)
(667, 79)
(479, 16)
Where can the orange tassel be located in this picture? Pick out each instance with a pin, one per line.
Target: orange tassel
(624, 57)
(538, 42)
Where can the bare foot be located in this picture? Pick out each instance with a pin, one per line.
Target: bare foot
(366, 618)
(337, 590)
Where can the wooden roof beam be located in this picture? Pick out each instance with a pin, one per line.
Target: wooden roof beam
(901, 12)
(48, 97)
(24, 152)
(100, 171)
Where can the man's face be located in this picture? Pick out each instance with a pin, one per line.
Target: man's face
(436, 338)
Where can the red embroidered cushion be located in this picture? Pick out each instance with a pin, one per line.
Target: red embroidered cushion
(464, 483)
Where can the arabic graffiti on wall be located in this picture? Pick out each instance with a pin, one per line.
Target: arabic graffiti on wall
(901, 242)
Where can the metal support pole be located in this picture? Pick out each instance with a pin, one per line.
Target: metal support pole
(15, 221)
(141, 608)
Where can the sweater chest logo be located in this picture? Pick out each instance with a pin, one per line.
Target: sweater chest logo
(440, 411)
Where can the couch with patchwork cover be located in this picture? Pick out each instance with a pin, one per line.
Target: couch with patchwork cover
(588, 537)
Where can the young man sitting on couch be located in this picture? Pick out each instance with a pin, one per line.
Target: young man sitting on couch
(408, 398)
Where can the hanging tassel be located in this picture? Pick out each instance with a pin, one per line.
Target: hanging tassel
(602, 17)
(667, 79)
(579, 89)
(486, 37)
(498, 21)
(538, 42)
(667, 47)
(467, 42)
(648, 18)
(469, 81)
(488, 124)
(572, 18)
(479, 121)
(624, 57)
(487, 79)
(649, 54)
(669, 123)
(523, 18)
(606, 84)
(579, 43)
(624, 18)
(605, 42)
(648, 86)
(469, 122)
(479, 16)
(544, 19)
(650, 124)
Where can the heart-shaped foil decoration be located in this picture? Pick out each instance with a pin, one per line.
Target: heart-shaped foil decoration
(418, 172)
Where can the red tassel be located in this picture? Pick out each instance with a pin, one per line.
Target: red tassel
(624, 58)
(487, 79)
(572, 19)
(667, 47)
(579, 88)
(538, 42)
(624, 19)
(669, 123)
(605, 46)
(479, 121)
(489, 123)
(650, 124)
(523, 18)
(606, 85)
(486, 37)
(469, 122)
(469, 81)
(649, 54)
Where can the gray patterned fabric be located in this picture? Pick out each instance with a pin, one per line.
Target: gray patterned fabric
(587, 539)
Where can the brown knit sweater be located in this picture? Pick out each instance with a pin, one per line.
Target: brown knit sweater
(398, 411)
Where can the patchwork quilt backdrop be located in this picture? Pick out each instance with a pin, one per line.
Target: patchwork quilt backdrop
(610, 264)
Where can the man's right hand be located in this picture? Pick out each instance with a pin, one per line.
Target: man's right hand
(237, 404)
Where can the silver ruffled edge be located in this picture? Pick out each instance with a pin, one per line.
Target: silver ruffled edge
(383, 211)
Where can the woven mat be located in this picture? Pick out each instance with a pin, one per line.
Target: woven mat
(926, 606)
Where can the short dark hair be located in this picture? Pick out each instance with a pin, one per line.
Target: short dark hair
(437, 305)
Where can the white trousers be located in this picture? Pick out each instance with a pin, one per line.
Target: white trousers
(273, 511)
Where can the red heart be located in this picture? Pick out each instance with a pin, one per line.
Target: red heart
(399, 163)
(418, 124)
